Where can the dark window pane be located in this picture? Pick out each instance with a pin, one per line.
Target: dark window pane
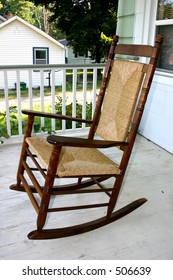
(166, 56)
(40, 54)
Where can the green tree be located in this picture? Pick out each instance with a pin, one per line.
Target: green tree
(85, 23)
(36, 15)
(23, 9)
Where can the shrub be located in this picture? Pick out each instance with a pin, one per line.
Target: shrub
(37, 124)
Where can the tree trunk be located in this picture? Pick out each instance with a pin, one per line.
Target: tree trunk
(98, 56)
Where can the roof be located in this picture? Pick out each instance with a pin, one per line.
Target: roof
(39, 31)
(64, 42)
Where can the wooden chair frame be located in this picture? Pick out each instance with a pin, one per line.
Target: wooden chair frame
(82, 186)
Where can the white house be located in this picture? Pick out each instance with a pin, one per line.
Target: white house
(138, 22)
(23, 44)
(75, 58)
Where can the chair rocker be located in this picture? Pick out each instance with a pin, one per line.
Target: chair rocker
(46, 163)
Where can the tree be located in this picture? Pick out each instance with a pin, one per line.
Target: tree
(23, 9)
(36, 15)
(26, 10)
(87, 24)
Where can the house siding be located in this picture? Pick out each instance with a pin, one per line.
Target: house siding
(17, 42)
(156, 124)
(77, 60)
(157, 120)
(126, 17)
(70, 56)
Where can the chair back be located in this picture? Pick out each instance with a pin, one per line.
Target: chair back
(123, 94)
(120, 100)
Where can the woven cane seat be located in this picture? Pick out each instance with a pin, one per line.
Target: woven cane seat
(74, 161)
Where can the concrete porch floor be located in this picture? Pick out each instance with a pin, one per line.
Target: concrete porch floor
(146, 233)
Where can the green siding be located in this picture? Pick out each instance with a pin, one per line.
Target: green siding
(125, 26)
(126, 7)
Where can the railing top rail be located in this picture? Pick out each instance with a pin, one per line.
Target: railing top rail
(51, 66)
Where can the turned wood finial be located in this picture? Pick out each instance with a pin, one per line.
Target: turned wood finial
(159, 39)
(116, 38)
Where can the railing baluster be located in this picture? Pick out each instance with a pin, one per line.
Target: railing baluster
(19, 102)
(94, 92)
(30, 89)
(42, 95)
(7, 102)
(74, 96)
(53, 97)
(64, 99)
(84, 96)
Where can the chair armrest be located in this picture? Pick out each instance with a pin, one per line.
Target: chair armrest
(80, 142)
(54, 116)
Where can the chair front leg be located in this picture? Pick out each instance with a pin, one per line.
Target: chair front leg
(48, 186)
(23, 156)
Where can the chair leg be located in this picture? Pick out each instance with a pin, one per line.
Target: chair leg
(21, 169)
(42, 214)
(47, 191)
(114, 195)
(23, 156)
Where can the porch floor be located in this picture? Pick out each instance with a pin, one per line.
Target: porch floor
(146, 233)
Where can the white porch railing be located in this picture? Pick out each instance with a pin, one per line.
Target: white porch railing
(41, 87)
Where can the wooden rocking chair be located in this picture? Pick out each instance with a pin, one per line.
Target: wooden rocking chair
(117, 116)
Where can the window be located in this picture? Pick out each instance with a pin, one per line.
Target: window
(164, 26)
(40, 55)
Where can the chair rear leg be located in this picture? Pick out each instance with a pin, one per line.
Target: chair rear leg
(113, 199)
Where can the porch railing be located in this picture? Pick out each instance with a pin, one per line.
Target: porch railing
(70, 88)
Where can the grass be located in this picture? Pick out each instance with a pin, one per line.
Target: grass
(12, 93)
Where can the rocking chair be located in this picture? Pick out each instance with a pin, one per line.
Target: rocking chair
(115, 123)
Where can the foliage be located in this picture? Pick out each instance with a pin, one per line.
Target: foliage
(106, 42)
(3, 128)
(83, 22)
(3, 123)
(20, 8)
(37, 124)
(58, 110)
(69, 108)
(165, 9)
(36, 15)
